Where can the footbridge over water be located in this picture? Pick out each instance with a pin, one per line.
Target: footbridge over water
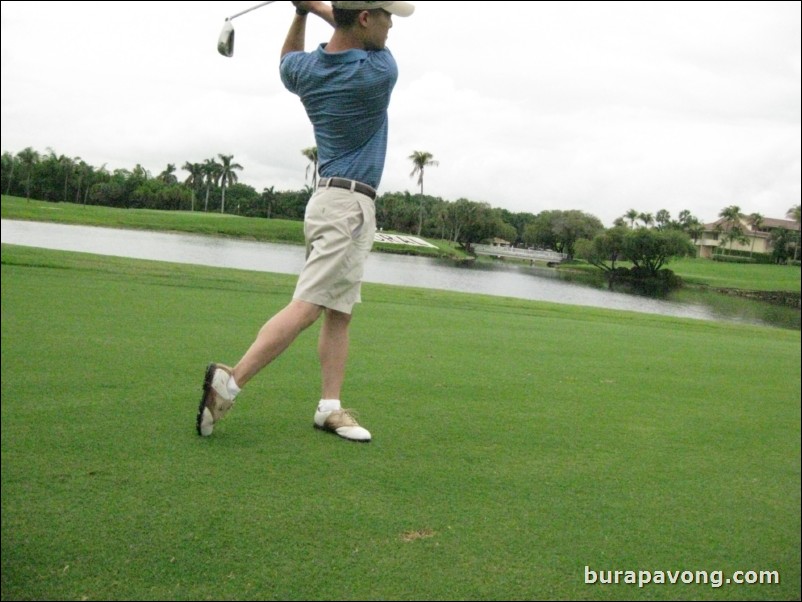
(526, 254)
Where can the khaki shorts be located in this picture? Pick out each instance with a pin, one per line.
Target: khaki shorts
(339, 227)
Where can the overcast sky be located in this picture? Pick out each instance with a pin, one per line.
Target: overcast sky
(529, 106)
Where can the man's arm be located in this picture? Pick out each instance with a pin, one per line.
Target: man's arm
(296, 36)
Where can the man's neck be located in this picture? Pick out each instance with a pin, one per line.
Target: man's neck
(342, 40)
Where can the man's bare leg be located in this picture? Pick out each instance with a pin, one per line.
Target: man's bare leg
(333, 352)
(274, 337)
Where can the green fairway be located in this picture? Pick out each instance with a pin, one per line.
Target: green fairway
(515, 443)
(707, 273)
(756, 277)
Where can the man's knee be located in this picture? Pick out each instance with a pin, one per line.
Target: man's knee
(305, 314)
(339, 317)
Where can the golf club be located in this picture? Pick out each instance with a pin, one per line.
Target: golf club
(225, 43)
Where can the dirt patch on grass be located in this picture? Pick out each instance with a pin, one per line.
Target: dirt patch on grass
(416, 535)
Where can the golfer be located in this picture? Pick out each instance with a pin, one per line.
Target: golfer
(345, 87)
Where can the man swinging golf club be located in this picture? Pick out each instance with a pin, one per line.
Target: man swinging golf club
(345, 87)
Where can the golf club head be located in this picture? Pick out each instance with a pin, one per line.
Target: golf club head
(225, 43)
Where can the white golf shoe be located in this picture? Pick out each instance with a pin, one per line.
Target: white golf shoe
(342, 423)
(215, 402)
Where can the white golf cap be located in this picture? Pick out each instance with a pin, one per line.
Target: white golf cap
(400, 9)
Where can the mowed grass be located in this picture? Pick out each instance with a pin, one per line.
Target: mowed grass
(515, 443)
(709, 273)
(756, 277)
(193, 222)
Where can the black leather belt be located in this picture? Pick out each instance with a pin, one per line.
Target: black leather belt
(348, 185)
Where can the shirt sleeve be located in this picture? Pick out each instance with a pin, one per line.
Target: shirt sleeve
(289, 69)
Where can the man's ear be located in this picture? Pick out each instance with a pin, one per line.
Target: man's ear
(363, 18)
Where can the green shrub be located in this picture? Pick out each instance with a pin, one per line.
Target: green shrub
(733, 259)
(641, 281)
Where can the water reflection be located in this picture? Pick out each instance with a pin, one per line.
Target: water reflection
(523, 282)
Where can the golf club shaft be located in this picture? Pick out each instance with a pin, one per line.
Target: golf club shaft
(250, 9)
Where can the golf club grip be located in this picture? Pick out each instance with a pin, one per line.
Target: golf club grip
(250, 9)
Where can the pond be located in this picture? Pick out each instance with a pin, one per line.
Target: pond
(498, 278)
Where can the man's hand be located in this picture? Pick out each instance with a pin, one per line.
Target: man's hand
(308, 5)
(321, 9)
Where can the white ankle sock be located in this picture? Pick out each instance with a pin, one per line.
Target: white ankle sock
(328, 405)
(232, 388)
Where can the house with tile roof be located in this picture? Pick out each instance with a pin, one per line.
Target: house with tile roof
(757, 239)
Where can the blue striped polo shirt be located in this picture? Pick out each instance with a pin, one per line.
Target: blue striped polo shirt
(346, 95)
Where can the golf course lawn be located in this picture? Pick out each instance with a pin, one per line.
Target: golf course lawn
(517, 446)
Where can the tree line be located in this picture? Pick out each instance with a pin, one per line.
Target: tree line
(210, 185)
(213, 185)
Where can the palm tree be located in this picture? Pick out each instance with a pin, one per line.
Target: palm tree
(210, 170)
(794, 214)
(84, 171)
(269, 197)
(140, 173)
(420, 161)
(756, 221)
(687, 220)
(695, 230)
(227, 176)
(311, 154)
(731, 215)
(28, 158)
(99, 177)
(195, 178)
(646, 218)
(68, 165)
(168, 175)
(663, 219)
(732, 222)
(8, 164)
(632, 215)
